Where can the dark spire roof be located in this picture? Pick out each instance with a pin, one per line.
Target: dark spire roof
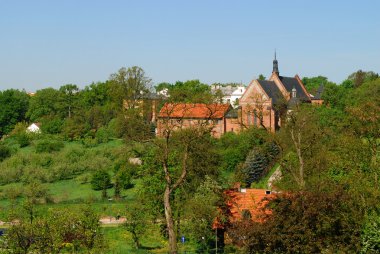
(275, 64)
(318, 95)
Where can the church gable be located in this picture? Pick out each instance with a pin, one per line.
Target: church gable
(254, 93)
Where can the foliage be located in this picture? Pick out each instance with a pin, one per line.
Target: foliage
(364, 107)
(60, 230)
(261, 77)
(51, 125)
(44, 104)
(48, 146)
(5, 152)
(68, 98)
(14, 105)
(134, 127)
(234, 148)
(359, 77)
(101, 180)
(303, 222)
(312, 84)
(75, 128)
(123, 173)
(201, 211)
(191, 91)
(23, 139)
(129, 85)
(137, 218)
(371, 234)
(178, 164)
(259, 161)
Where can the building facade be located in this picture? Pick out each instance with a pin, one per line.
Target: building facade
(218, 117)
(263, 104)
(266, 101)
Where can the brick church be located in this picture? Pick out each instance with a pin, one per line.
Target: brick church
(262, 105)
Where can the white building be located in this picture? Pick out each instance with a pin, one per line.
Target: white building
(33, 128)
(231, 94)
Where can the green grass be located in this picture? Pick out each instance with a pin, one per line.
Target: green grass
(263, 183)
(119, 240)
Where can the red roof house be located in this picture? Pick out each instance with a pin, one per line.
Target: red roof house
(184, 115)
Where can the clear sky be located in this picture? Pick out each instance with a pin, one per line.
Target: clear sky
(52, 43)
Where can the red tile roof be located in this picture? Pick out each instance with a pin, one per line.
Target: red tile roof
(247, 199)
(198, 110)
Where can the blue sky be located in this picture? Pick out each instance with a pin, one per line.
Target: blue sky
(52, 43)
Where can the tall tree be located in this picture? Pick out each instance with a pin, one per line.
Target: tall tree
(68, 97)
(179, 162)
(43, 104)
(14, 105)
(191, 91)
(128, 86)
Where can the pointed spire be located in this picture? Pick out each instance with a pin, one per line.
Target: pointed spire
(275, 63)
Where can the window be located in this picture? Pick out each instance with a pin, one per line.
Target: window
(255, 117)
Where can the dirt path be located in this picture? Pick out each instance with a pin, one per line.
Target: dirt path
(111, 220)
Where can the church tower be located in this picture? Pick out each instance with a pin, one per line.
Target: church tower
(275, 65)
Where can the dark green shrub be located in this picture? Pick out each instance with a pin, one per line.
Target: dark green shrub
(5, 152)
(23, 139)
(49, 146)
(101, 180)
(259, 161)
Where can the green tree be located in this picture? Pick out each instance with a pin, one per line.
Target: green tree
(191, 91)
(35, 193)
(261, 77)
(136, 221)
(312, 83)
(60, 230)
(179, 160)
(301, 143)
(364, 107)
(201, 211)
(101, 180)
(44, 104)
(129, 85)
(360, 76)
(14, 105)
(303, 222)
(68, 97)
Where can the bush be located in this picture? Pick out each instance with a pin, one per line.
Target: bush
(49, 146)
(52, 126)
(103, 135)
(5, 152)
(101, 180)
(89, 142)
(23, 139)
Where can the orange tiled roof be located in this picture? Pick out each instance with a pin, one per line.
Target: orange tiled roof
(248, 199)
(197, 110)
